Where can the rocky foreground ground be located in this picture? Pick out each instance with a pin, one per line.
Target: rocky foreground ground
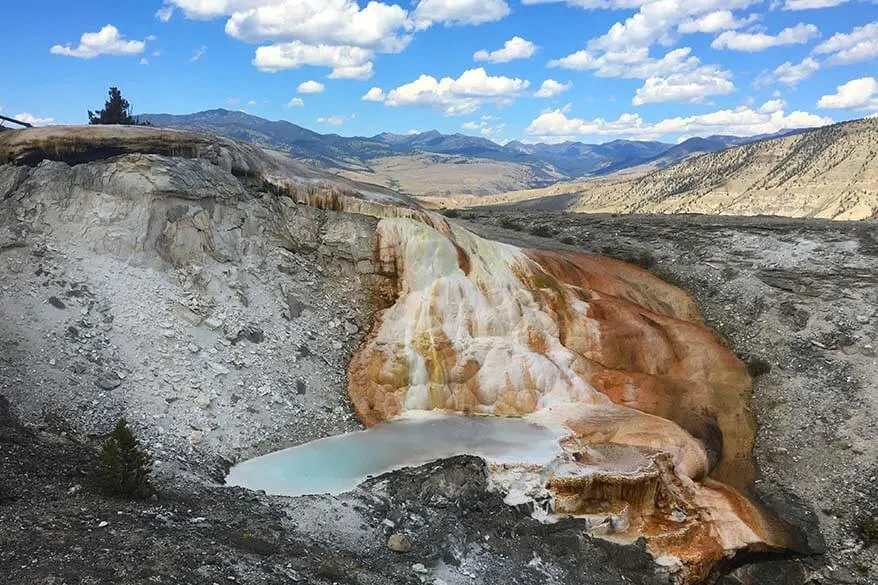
(219, 349)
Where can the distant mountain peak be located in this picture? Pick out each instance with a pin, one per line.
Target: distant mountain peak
(549, 162)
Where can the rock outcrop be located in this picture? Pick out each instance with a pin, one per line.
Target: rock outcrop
(660, 435)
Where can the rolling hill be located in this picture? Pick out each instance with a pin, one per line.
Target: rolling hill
(828, 172)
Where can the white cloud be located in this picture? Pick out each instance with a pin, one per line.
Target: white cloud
(310, 86)
(251, 102)
(376, 94)
(331, 120)
(790, 74)
(344, 35)
(377, 26)
(688, 86)
(741, 121)
(107, 41)
(632, 63)
(754, 42)
(198, 53)
(624, 50)
(339, 34)
(677, 76)
(859, 93)
(335, 22)
(143, 61)
(458, 96)
(771, 106)
(346, 62)
(656, 21)
(34, 120)
(514, 48)
(811, 4)
(861, 44)
(296, 102)
(450, 12)
(165, 13)
(483, 128)
(551, 88)
(714, 22)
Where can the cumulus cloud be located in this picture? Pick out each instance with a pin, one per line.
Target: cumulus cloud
(456, 97)
(449, 12)
(377, 26)
(754, 42)
(339, 34)
(551, 88)
(376, 94)
(514, 48)
(861, 44)
(688, 86)
(789, 73)
(296, 102)
(331, 120)
(346, 62)
(771, 106)
(310, 86)
(677, 76)
(741, 121)
(714, 22)
(856, 94)
(33, 120)
(143, 61)
(483, 128)
(344, 35)
(107, 41)
(656, 21)
(624, 50)
(811, 4)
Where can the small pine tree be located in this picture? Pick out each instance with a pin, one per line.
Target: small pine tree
(124, 468)
(116, 110)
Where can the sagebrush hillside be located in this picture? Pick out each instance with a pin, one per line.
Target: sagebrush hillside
(829, 172)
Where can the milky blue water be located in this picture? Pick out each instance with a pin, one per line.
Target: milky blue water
(338, 464)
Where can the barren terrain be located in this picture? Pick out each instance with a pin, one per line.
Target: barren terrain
(432, 174)
(829, 172)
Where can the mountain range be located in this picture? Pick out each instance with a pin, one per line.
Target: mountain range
(828, 172)
(478, 165)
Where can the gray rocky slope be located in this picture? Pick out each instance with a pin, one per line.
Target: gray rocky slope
(184, 283)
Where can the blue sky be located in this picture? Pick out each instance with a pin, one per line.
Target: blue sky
(534, 70)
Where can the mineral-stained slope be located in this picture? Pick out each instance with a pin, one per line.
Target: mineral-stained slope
(656, 409)
(661, 433)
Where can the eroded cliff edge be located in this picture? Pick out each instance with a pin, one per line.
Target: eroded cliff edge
(258, 263)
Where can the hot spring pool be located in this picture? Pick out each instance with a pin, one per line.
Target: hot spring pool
(338, 464)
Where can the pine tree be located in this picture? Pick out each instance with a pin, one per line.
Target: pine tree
(124, 468)
(116, 110)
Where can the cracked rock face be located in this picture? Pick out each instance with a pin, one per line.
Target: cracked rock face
(224, 281)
